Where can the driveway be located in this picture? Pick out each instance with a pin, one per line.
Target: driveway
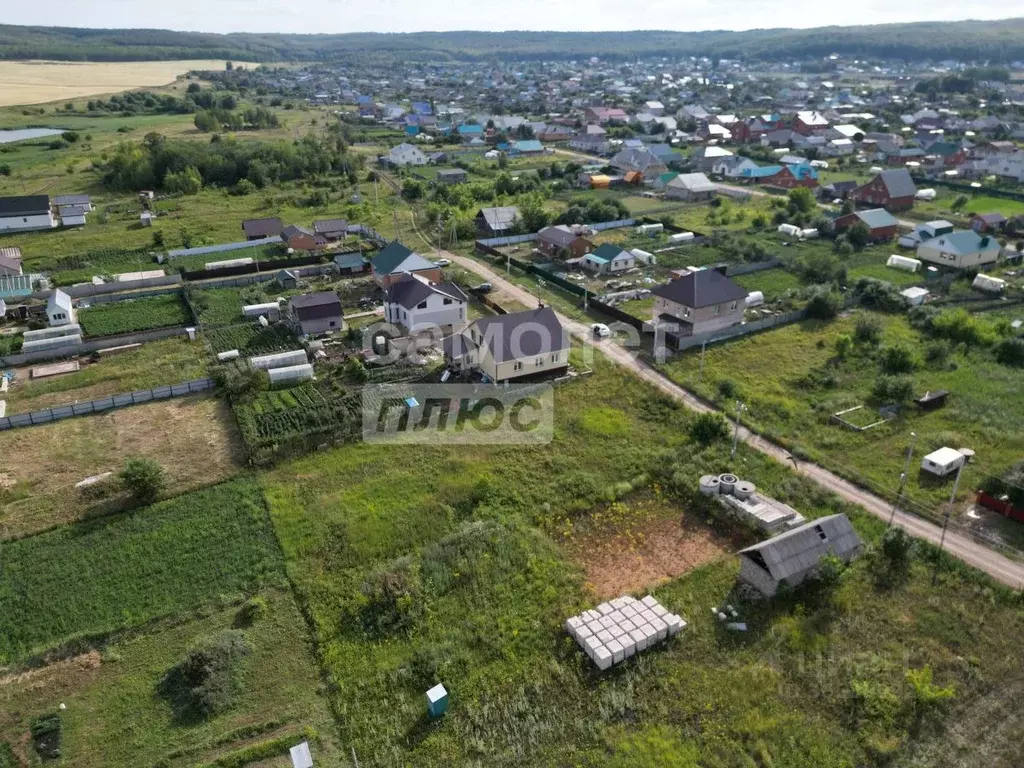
(971, 552)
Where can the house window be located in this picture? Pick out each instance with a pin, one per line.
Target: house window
(718, 309)
(821, 533)
(332, 323)
(540, 362)
(517, 366)
(460, 313)
(732, 307)
(421, 305)
(554, 358)
(446, 302)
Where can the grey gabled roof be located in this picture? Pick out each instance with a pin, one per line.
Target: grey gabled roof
(694, 182)
(559, 235)
(899, 183)
(294, 229)
(801, 548)
(59, 299)
(522, 335)
(876, 218)
(410, 291)
(500, 218)
(262, 227)
(701, 289)
(60, 200)
(330, 226)
(314, 306)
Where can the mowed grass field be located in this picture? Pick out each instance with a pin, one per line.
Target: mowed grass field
(117, 572)
(154, 364)
(39, 82)
(43, 464)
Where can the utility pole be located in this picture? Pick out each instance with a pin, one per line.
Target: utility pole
(949, 511)
(736, 433)
(903, 479)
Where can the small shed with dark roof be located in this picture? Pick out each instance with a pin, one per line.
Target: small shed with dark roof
(257, 229)
(317, 312)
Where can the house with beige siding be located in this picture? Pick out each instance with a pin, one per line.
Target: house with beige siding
(517, 346)
(700, 301)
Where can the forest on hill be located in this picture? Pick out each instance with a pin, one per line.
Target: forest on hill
(973, 41)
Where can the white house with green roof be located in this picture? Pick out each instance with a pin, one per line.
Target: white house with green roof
(608, 259)
(960, 250)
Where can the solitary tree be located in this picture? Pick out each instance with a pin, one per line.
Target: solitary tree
(143, 478)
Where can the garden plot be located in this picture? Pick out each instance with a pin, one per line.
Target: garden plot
(131, 315)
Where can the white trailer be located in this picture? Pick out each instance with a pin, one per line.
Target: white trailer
(789, 230)
(988, 284)
(271, 309)
(943, 461)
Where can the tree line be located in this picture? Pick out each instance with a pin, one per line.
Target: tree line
(185, 166)
(996, 41)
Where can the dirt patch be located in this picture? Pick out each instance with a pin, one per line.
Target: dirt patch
(193, 438)
(648, 553)
(41, 676)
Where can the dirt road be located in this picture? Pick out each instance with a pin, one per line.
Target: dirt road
(977, 555)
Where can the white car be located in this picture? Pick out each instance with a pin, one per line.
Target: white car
(601, 330)
(442, 263)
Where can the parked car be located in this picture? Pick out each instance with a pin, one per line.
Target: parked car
(601, 330)
(484, 288)
(442, 263)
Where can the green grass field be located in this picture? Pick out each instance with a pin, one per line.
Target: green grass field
(771, 282)
(279, 696)
(113, 573)
(790, 400)
(134, 315)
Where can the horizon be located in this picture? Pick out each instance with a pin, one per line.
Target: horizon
(405, 17)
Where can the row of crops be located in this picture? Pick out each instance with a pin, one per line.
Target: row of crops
(251, 339)
(80, 268)
(297, 420)
(145, 314)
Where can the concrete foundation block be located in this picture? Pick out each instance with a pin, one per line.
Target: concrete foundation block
(658, 610)
(617, 631)
(582, 633)
(628, 645)
(628, 611)
(573, 624)
(639, 638)
(603, 658)
(649, 601)
(606, 622)
(674, 624)
(605, 636)
(594, 627)
(627, 625)
(616, 616)
(605, 608)
(648, 616)
(616, 650)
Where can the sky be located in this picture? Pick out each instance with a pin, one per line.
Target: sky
(333, 16)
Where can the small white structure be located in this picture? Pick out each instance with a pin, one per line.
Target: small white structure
(943, 461)
(650, 229)
(271, 309)
(211, 265)
(231, 354)
(989, 284)
(755, 299)
(620, 628)
(903, 263)
(682, 237)
(808, 234)
(789, 230)
(303, 372)
(146, 274)
(146, 218)
(59, 309)
(643, 257)
(741, 499)
(925, 194)
(914, 296)
(301, 758)
(279, 359)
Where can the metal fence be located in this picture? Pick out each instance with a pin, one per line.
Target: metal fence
(688, 342)
(734, 270)
(50, 415)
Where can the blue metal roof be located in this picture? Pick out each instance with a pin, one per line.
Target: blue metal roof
(466, 130)
(528, 145)
(762, 172)
(802, 172)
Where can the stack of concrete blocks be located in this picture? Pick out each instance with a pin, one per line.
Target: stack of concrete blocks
(742, 499)
(616, 630)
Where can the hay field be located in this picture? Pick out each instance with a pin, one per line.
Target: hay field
(38, 82)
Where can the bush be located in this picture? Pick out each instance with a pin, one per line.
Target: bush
(879, 294)
(243, 187)
(5, 169)
(896, 550)
(708, 427)
(46, 735)
(896, 389)
(898, 358)
(255, 608)
(844, 345)
(389, 599)
(727, 388)
(143, 478)
(868, 330)
(208, 680)
(1011, 352)
(822, 305)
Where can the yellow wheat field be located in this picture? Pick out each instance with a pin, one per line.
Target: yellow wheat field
(37, 82)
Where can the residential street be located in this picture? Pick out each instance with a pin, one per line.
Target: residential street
(996, 565)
